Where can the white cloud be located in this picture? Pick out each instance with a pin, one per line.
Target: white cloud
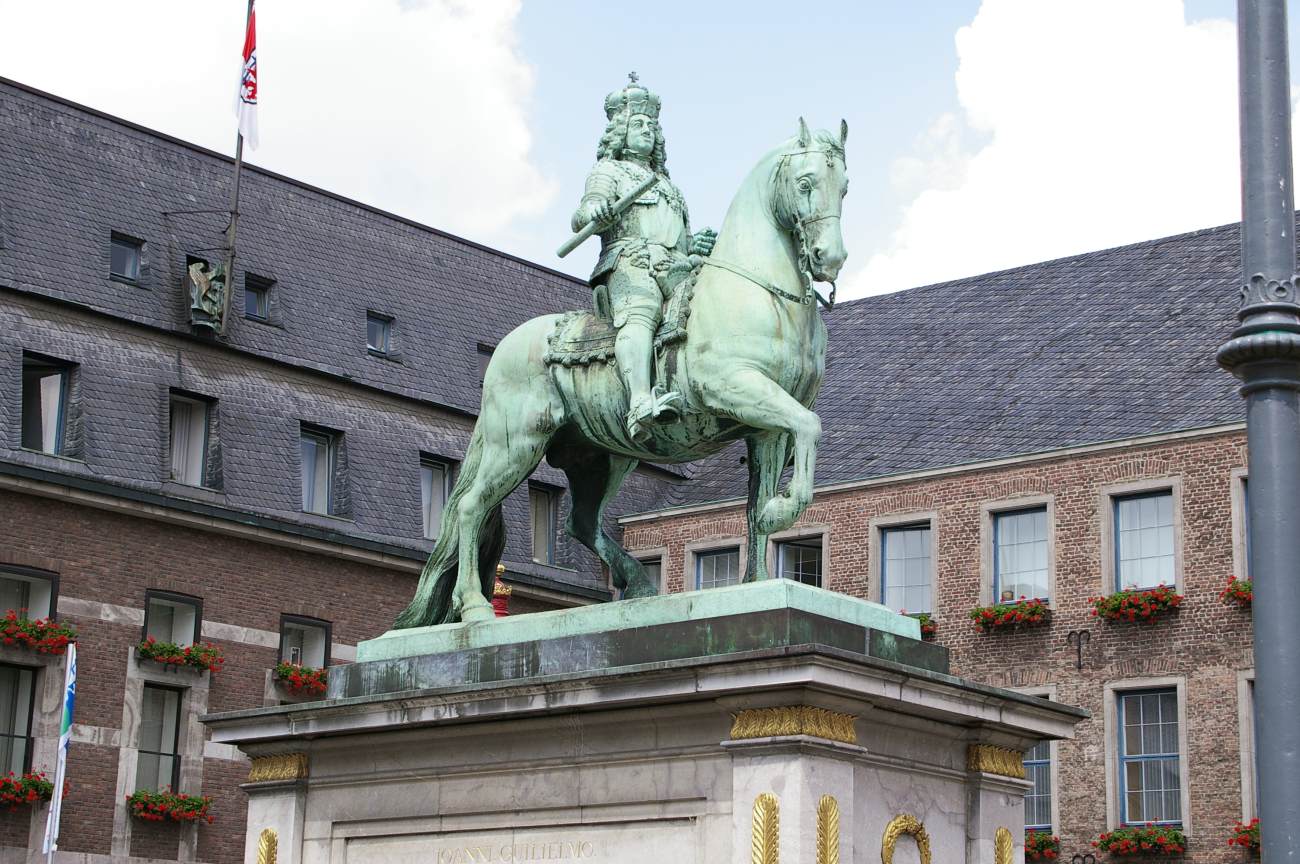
(417, 106)
(1106, 122)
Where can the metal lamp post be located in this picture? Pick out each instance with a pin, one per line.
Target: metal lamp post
(1264, 352)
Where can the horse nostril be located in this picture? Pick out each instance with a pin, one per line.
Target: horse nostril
(817, 254)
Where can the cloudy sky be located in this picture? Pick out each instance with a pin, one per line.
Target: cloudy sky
(983, 135)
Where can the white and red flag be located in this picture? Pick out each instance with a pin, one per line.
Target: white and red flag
(246, 99)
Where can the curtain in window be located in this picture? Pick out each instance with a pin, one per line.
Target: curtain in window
(181, 439)
(543, 508)
(15, 717)
(159, 718)
(433, 494)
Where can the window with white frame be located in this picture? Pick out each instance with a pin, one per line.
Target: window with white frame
(1038, 800)
(174, 618)
(1245, 527)
(45, 404)
(1149, 759)
(1251, 755)
(653, 568)
(17, 695)
(435, 485)
(905, 567)
(22, 590)
(379, 332)
(1144, 540)
(542, 504)
(158, 765)
(1020, 555)
(257, 297)
(304, 641)
(124, 258)
(800, 560)
(317, 449)
(189, 439)
(717, 567)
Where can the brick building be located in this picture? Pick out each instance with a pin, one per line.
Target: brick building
(1056, 431)
(273, 491)
(270, 491)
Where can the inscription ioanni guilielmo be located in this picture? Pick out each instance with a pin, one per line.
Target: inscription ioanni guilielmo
(571, 850)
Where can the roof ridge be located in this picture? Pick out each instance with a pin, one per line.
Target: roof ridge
(284, 178)
(1006, 271)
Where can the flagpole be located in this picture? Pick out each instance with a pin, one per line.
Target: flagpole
(233, 230)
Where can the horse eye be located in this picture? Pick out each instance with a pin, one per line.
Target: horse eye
(805, 185)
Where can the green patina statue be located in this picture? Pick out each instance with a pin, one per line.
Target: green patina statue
(694, 342)
(642, 248)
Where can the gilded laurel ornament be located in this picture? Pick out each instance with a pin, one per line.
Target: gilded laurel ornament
(828, 830)
(267, 846)
(897, 827)
(794, 720)
(995, 760)
(1004, 847)
(282, 766)
(765, 833)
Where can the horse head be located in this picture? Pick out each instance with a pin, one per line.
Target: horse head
(808, 189)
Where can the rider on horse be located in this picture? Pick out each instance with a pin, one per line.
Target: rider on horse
(644, 250)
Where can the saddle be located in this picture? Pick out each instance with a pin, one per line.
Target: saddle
(583, 338)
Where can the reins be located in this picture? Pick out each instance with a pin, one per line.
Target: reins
(788, 216)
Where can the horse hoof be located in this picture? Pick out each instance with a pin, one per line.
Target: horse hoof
(477, 613)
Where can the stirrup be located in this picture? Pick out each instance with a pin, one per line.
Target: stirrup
(640, 418)
(667, 406)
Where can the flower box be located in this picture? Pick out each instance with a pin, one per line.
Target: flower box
(1143, 841)
(1137, 605)
(25, 790)
(1246, 835)
(165, 804)
(928, 625)
(203, 656)
(1041, 846)
(302, 679)
(1238, 592)
(1010, 616)
(40, 634)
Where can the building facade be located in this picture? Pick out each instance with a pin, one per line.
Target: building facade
(1063, 527)
(1057, 431)
(273, 492)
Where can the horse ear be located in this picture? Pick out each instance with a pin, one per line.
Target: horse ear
(805, 138)
(844, 132)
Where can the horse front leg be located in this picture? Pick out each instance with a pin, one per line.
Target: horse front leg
(757, 401)
(767, 452)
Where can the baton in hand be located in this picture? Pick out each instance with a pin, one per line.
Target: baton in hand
(619, 206)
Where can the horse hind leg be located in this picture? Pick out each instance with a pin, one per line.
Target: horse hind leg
(505, 462)
(594, 479)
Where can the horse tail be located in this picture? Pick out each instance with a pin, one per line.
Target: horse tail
(432, 603)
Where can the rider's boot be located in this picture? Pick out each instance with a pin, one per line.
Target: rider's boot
(632, 351)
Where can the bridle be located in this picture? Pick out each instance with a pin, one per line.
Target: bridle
(787, 214)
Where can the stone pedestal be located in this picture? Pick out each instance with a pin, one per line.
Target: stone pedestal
(767, 722)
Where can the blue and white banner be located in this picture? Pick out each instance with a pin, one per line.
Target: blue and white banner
(65, 738)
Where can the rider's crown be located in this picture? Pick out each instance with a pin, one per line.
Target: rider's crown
(634, 98)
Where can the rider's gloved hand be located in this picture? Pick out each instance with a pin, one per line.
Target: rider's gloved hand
(702, 242)
(599, 211)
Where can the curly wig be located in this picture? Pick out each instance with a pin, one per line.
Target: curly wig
(614, 142)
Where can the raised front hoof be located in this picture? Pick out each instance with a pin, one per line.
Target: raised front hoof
(778, 514)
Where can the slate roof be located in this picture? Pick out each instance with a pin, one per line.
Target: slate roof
(1097, 347)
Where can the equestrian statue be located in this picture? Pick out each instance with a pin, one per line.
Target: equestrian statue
(694, 341)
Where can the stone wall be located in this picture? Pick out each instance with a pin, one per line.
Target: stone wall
(1205, 649)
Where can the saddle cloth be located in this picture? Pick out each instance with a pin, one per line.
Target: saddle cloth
(583, 338)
